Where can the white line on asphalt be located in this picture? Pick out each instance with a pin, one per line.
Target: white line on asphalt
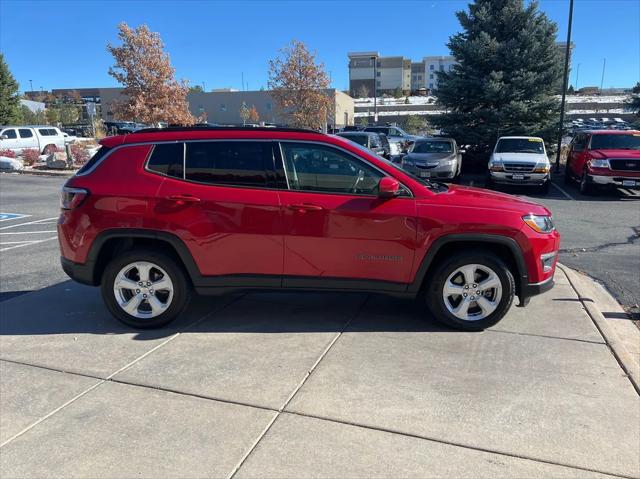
(26, 232)
(28, 243)
(563, 192)
(36, 222)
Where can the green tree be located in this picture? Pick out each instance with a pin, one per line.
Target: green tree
(414, 124)
(397, 93)
(364, 121)
(69, 114)
(53, 115)
(196, 88)
(10, 112)
(571, 90)
(508, 70)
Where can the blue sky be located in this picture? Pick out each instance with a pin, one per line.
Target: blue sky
(61, 44)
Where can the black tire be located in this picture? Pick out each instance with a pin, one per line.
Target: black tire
(49, 149)
(432, 292)
(544, 189)
(568, 179)
(181, 287)
(585, 187)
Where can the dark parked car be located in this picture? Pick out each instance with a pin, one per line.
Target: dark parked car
(372, 141)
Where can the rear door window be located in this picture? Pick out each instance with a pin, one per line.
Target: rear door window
(167, 159)
(233, 163)
(25, 133)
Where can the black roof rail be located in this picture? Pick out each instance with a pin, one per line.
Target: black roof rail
(224, 128)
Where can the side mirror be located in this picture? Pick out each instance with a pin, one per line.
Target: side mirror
(4, 137)
(388, 187)
(462, 151)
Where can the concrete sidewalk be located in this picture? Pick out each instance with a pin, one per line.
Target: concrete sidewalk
(310, 385)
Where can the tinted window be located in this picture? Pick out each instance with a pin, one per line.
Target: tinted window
(615, 142)
(325, 169)
(47, 132)
(235, 163)
(167, 158)
(94, 159)
(25, 133)
(11, 134)
(359, 139)
(579, 142)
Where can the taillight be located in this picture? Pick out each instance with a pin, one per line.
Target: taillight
(71, 198)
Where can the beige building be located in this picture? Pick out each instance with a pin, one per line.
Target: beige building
(223, 107)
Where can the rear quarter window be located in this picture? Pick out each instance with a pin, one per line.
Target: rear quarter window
(101, 153)
(167, 159)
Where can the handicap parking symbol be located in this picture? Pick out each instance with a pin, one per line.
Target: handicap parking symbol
(11, 216)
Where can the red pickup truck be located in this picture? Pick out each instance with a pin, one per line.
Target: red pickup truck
(604, 158)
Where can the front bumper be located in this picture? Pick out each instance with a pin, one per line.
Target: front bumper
(534, 289)
(506, 178)
(614, 180)
(444, 171)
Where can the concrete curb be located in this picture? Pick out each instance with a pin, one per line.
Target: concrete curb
(620, 334)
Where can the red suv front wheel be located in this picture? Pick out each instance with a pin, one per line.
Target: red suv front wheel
(470, 291)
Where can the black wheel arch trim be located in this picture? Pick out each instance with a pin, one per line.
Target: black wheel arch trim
(439, 243)
(130, 233)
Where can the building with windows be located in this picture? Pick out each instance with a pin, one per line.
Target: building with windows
(432, 65)
(220, 106)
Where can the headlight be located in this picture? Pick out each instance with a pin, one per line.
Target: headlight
(542, 168)
(496, 166)
(447, 161)
(599, 163)
(539, 223)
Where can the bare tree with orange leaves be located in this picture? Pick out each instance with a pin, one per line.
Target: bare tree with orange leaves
(299, 86)
(143, 68)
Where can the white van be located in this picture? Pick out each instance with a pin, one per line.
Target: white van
(45, 138)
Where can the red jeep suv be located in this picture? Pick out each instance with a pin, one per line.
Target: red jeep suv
(158, 213)
(604, 158)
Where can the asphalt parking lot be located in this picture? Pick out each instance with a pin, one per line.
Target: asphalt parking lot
(298, 385)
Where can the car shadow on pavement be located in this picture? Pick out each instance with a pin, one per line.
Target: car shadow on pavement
(68, 308)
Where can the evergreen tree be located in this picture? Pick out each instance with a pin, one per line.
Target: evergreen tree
(507, 72)
(10, 112)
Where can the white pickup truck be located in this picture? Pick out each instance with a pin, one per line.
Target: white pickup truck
(520, 160)
(42, 137)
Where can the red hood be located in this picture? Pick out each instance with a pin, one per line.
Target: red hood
(601, 154)
(465, 196)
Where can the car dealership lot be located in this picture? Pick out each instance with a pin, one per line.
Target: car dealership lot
(291, 385)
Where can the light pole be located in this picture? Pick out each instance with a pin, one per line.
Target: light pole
(31, 84)
(577, 75)
(564, 85)
(375, 89)
(604, 64)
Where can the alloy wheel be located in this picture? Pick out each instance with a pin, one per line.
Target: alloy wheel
(143, 289)
(472, 292)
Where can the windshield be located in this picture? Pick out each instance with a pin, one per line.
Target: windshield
(359, 139)
(520, 145)
(432, 147)
(615, 142)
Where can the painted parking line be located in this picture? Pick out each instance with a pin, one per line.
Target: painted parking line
(35, 222)
(561, 190)
(12, 216)
(26, 232)
(19, 244)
